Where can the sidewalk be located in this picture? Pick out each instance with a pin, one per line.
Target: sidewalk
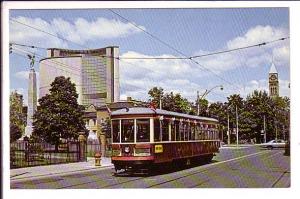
(57, 169)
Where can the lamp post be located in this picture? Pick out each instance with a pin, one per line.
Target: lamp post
(203, 95)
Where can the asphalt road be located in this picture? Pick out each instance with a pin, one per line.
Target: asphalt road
(232, 168)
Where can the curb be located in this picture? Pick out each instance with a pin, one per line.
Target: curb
(41, 176)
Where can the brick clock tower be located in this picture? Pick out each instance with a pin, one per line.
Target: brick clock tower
(273, 82)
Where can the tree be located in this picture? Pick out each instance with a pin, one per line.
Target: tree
(170, 101)
(218, 111)
(234, 109)
(105, 128)
(59, 115)
(16, 117)
(203, 107)
(257, 109)
(156, 95)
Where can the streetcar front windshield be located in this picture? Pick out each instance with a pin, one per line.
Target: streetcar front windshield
(116, 130)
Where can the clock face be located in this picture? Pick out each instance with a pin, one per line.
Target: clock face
(273, 77)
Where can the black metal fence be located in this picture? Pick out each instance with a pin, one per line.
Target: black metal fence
(25, 154)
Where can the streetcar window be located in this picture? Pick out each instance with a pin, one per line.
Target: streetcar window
(127, 128)
(165, 130)
(173, 131)
(116, 130)
(143, 130)
(177, 127)
(156, 130)
(181, 130)
(193, 129)
(161, 130)
(197, 131)
(187, 131)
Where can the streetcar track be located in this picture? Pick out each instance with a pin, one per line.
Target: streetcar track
(273, 185)
(98, 181)
(203, 168)
(202, 171)
(206, 169)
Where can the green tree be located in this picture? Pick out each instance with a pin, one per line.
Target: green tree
(105, 127)
(234, 108)
(156, 94)
(203, 107)
(16, 117)
(281, 112)
(218, 111)
(257, 108)
(59, 115)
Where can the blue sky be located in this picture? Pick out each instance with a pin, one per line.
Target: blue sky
(191, 31)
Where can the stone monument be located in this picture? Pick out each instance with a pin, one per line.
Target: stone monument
(32, 97)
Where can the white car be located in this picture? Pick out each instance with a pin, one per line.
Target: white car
(274, 144)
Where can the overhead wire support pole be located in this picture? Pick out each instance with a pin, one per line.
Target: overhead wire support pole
(228, 133)
(237, 127)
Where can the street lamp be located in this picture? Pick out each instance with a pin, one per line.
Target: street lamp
(204, 94)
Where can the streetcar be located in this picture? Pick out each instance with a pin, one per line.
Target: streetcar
(145, 137)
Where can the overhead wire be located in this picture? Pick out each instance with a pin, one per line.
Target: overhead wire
(161, 41)
(168, 45)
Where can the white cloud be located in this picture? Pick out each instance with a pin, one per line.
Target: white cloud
(252, 57)
(19, 33)
(181, 75)
(282, 55)
(257, 35)
(178, 76)
(79, 31)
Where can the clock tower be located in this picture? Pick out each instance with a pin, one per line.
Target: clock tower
(273, 82)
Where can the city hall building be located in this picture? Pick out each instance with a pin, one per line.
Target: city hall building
(95, 73)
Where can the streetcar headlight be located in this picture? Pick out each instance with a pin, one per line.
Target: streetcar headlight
(127, 149)
(142, 152)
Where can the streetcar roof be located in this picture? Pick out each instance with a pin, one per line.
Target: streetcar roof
(150, 111)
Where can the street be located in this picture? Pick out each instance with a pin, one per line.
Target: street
(241, 167)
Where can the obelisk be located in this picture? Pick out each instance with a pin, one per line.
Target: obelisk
(32, 99)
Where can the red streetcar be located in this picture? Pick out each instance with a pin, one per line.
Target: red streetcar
(145, 137)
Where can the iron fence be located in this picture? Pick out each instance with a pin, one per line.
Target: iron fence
(25, 154)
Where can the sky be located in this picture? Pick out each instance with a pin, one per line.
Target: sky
(174, 32)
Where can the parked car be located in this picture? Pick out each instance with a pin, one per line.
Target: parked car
(274, 144)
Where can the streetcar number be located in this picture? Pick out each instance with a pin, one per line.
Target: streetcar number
(158, 148)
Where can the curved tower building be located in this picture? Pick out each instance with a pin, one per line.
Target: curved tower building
(95, 73)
